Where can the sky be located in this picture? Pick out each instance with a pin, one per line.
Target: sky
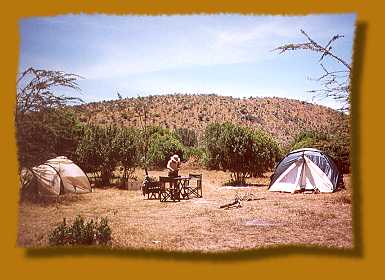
(224, 54)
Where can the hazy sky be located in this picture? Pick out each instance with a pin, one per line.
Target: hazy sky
(222, 54)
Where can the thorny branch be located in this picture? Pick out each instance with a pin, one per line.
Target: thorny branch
(336, 84)
(35, 90)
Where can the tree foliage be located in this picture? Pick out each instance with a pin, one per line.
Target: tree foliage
(48, 134)
(98, 151)
(336, 146)
(161, 146)
(103, 148)
(242, 151)
(187, 136)
(128, 153)
(44, 129)
(141, 106)
(37, 90)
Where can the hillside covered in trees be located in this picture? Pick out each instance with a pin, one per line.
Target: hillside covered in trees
(283, 118)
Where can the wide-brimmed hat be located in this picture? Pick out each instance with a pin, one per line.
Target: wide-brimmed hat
(175, 158)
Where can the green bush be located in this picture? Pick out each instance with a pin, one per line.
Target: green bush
(336, 146)
(81, 233)
(61, 235)
(46, 134)
(241, 150)
(98, 150)
(103, 148)
(187, 136)
(162, 145)
(197, 152)
(128, 150)
(103, 232)
(308, 139)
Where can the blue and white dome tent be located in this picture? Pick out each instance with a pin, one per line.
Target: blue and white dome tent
(305, 169)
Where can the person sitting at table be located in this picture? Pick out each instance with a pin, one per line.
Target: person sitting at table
(173, 166)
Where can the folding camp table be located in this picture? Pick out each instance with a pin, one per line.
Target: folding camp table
(174, 188)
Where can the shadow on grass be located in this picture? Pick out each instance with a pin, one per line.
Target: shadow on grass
(247, 185)
(355, 252)
(258, 185)
(194, 256)
(358, 62)
(49, 200)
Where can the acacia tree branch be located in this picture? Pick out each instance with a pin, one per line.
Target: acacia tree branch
(331, 80)
(36, 90)
(314, 46)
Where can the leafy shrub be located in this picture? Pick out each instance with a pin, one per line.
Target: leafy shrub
(162, 145)
(61, 235)
(81, 233)
(197, 152)
(46, 134)
(103, 232)
(128, 149)
(307, 139)
(335, 145)
(99, 151)
(187, 136)
(44, 127)
(242, 151)
(103, 148)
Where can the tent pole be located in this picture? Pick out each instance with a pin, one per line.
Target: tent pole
(58, 173)
(301, 176)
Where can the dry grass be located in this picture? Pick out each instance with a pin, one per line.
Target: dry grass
(199, 224)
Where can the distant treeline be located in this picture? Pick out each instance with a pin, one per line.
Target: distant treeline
(100, 149)
(282, 118)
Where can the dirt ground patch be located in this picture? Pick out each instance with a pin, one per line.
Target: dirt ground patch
(199, 224)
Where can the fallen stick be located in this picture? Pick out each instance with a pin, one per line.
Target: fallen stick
(231, 204)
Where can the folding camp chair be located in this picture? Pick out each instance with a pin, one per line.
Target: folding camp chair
(197, 189)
